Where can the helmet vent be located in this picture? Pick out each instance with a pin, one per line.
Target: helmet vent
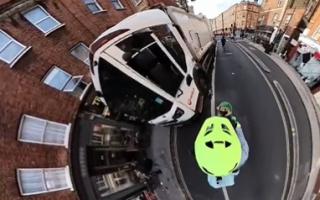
(227, 144)
(209, 144)
(209, 129)
(225, 129)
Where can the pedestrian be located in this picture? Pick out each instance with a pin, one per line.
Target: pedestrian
(223, 42)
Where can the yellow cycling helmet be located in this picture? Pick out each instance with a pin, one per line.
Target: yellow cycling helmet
(217, 147)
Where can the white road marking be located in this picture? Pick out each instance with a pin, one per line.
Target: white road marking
(255, 58)
(225, 193)
(295, 138)
(281, 113)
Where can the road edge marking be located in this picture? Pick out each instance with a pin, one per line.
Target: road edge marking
(258, 60)
(176, 165)
(295, 137)
(313, 112)
(225, 193)
(281, 113)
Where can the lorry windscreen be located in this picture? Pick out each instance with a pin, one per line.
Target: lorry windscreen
(127, 99)
(144, 55)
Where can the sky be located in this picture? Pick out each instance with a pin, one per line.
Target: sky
(211, 8)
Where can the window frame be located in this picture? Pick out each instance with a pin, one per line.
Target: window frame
(59, 24)
(24, 50)
(161, 47)
(43, 171)
(316, 33)
(136, 2)
(63, 88)
(75, 86)
(97, 4)
(66, 136)
(50, 71)
(86, 61)
(122, 7)
(275, 18)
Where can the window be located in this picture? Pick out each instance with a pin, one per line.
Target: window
(36, 130)
(316, 34)
(149, 60)
(93, 6)
(40, 18)
(127, 99)
(81, 51)
(63, 81)
(136, 2)
(37, 180)
(10, 49)
(117, 4)
(287, 20)
(275, 18)
(171, 44)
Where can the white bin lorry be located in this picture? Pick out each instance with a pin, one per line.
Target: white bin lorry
(149, 67)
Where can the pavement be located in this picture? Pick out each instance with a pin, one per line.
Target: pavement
(160, 153)
(275, 122)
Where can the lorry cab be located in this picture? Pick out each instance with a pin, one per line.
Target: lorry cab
(143, 70)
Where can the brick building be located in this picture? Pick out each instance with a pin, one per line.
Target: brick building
(240, 16)
(284, 17)
(44, 80)
(313, 17)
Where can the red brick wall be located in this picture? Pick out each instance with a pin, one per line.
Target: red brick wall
(22, 91)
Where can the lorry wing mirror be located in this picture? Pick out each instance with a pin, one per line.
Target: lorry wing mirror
(189, 80)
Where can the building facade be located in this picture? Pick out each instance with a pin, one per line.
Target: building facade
(313, 17)
(240, 16)
(280, 20)
(44, 73)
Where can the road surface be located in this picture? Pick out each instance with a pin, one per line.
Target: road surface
(268, 107)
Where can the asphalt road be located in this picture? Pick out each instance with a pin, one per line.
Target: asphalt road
(258, 108)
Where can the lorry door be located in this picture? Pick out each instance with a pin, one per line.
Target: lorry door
(148, 56)
(188, 93)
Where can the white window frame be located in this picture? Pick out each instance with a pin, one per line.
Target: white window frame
(120, 3)
(59, 24)
(44, 171)
(136, 2)
(71, 77)
(97, 4)
(316, 33)
(275, 18)
(66, 136)
(75, 86)
(86, 61)
(19, 55)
